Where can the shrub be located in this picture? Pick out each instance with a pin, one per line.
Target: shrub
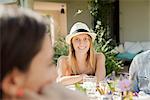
(60, 48)
(104, 45)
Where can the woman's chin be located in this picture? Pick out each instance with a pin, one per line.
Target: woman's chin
(82, 51)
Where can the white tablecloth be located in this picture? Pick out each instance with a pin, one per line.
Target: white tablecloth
(97, 96)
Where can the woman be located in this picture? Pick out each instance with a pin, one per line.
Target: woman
(27, 71)
(82, 60)
(26, 52)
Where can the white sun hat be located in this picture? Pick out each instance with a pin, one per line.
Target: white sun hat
(77, 29)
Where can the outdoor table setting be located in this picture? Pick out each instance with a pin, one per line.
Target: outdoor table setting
(111, 88)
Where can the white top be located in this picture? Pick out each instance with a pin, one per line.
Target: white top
(140, 72)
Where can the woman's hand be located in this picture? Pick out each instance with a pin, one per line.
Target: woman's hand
(82, 77)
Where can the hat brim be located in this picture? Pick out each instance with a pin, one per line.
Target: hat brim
(70, 36)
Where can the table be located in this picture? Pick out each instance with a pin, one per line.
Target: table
(97, 96)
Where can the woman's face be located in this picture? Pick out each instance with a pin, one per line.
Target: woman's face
(81, 43)
(41, 71)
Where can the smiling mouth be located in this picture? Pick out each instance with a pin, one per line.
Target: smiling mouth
(81, 48)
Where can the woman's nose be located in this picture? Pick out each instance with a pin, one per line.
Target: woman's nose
(82, 43)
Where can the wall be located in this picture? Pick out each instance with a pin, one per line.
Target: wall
(72, 7)
(53, 10)
(134, 20)
(57, 20)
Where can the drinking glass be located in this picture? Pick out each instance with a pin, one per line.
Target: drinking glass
(89, 83)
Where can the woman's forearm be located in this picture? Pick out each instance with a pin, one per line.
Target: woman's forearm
(100, 75)
(68, 80)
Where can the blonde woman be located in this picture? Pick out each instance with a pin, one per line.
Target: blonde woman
(82, 59)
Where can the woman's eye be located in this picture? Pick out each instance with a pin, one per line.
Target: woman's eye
(77, 39)
(86, 39)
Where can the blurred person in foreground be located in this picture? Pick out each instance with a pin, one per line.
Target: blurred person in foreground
(27, 71)
(140, 72)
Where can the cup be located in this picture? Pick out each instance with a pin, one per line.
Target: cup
(89, 83)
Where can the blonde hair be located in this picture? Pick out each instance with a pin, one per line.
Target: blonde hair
(90, 58)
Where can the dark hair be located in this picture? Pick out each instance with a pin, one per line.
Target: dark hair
(22, 32)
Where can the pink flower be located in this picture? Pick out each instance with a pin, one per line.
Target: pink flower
(124, 85)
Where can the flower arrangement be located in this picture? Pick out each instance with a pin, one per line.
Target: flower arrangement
(124, 85)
